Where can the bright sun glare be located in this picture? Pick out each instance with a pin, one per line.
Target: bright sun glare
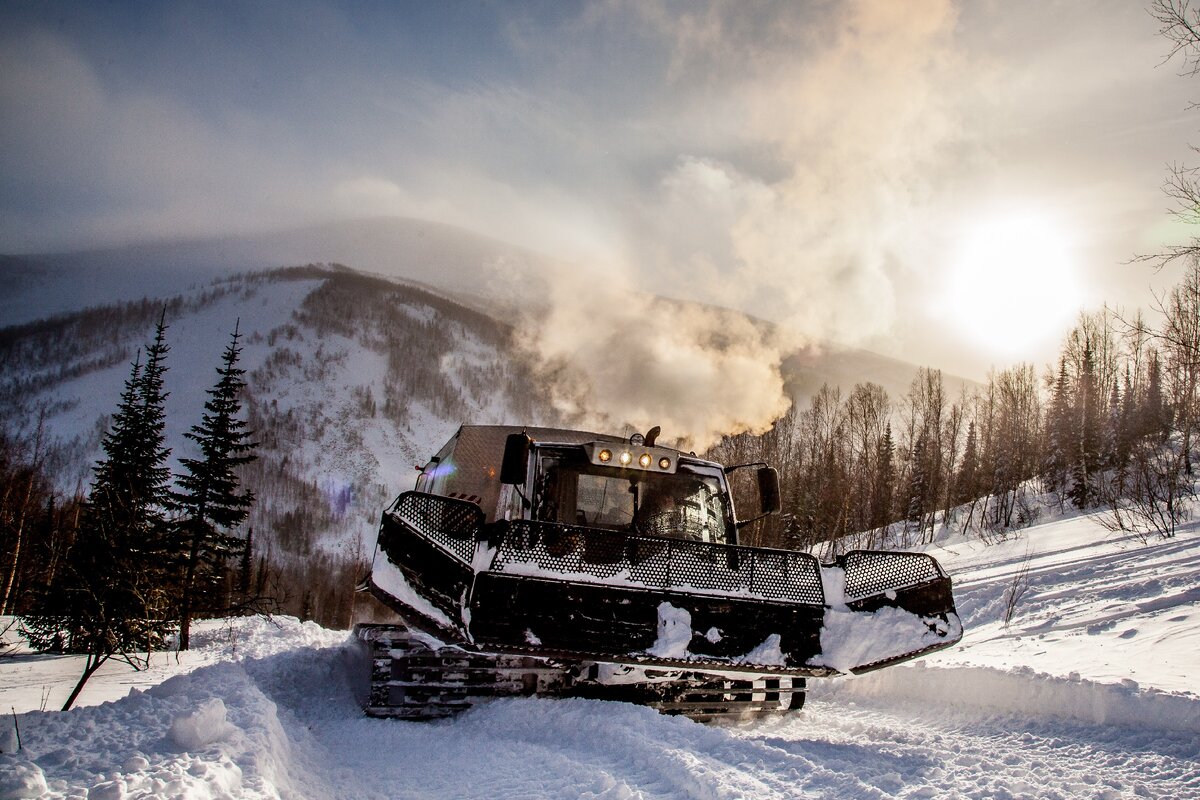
(1012, 284)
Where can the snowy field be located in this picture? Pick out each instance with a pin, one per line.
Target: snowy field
(1091, 691)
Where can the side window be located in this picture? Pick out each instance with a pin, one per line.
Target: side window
(546, 490)
(433, 475)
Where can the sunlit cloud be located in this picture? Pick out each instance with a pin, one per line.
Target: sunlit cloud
(811, 163)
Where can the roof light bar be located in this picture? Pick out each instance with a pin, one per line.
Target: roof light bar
(628, 456)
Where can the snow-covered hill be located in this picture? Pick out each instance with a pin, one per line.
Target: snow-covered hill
(456, 260)
(352, 380)
(1090, 691)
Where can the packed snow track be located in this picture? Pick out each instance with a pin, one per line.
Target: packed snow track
(1090, 691)
(286, 725)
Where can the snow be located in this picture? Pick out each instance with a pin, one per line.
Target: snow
(674, 632)
(205, 725)
(388, 577)
(1099, 605)
(850, 639)
(1090, 691)
(768, 653)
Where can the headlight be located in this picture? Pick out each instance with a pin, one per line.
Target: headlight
(617, 455)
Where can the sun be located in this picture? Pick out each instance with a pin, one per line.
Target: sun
(1012, 283)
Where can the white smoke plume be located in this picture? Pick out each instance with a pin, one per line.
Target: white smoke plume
(846, 112)
(619, 361)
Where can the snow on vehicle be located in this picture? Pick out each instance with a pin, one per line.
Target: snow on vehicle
(538, 561)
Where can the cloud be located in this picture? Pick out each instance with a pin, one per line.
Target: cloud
(854, 106)
(805, 161)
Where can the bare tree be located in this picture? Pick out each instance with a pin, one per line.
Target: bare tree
(1180, 338)
(867, 413)
(1150, 497)
(1017, 587)
(1179, 24)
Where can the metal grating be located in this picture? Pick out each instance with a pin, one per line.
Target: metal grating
(870, 572)
(451, 524)
(611, 557)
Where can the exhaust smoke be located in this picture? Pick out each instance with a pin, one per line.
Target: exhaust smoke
(807, 201)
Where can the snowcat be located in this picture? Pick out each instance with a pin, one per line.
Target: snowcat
(538, 561)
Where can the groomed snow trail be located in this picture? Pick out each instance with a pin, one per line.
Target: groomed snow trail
(1090, 692)
(286, 725)
(844, 746)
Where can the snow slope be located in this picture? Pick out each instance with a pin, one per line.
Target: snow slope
(409, 249)
(308, 385)
(1091, 691)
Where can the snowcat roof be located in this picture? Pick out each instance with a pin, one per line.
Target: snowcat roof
(498, 433)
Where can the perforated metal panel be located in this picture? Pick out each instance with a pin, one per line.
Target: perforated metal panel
(610, 557)
(870, 572)
(452, 524)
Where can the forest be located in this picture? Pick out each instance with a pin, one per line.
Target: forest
(1110, 427)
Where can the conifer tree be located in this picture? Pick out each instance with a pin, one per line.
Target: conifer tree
(1154, 419)
(967, 483)
(1059, 427)
(246, 566)
(1087, 455)
(918, 487)
(208, 500)
(1113, 433)
(884, 480)
(110, 597)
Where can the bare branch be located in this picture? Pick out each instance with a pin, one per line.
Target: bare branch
(1179, 24)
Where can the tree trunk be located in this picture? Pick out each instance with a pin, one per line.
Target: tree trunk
(185, 600)
(11, 578)
(93, 663)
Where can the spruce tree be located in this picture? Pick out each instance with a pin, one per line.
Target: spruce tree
(208, 500)
(110, 598)
(918, 487)
(1059, 435)
(967, 482)
(1154, 418)
(1087, 445)
(884, 480)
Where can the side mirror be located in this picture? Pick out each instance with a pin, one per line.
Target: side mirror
(768, 490)
(515, 466)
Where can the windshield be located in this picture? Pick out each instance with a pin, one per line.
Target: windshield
(685, 505)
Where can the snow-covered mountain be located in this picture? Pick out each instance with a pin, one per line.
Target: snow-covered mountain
(355, 374)
(1089, 690)
(352, 379)
(453, 259)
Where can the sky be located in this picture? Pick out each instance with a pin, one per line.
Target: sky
(948, 183)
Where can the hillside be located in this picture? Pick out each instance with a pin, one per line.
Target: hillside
(353, 379)
(457, 260)
(1089, 691)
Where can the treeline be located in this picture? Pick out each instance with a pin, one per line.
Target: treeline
(1112, 426)
(68, 346)
(428, 342)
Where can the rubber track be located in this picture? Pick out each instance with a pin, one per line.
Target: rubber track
(410, 679)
